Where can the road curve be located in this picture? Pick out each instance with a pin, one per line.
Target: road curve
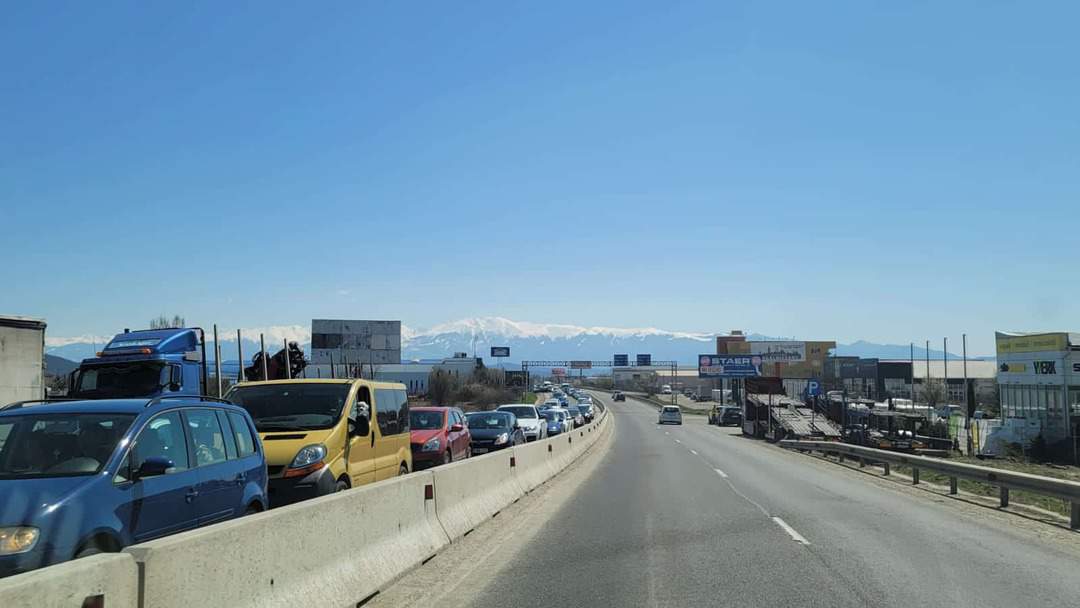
(695, 515)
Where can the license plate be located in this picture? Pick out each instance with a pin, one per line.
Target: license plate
(479, 450)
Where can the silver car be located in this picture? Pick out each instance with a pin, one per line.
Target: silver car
(670, 413)
(529, 418)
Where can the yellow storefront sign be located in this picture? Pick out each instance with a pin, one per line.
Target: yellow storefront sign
(1033, 343)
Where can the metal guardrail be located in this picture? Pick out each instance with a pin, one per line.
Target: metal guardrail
(1003, 479)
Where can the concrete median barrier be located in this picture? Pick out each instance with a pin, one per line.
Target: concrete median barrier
(110, 580)
(335, 550)
(532, 465)
(469, 492)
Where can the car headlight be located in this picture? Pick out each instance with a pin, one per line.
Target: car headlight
(501, 439)
(308, 455)
(431, 445)
(18, 539)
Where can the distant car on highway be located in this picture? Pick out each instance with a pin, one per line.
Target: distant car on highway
(553, 420)
(575, 413)
(670, 414)
(494, 431)
(529, 419)
(618, 396)
(550, 403)
(563, 401)
(565, 418)
(438, 435)
(665, 389)
(85, 477)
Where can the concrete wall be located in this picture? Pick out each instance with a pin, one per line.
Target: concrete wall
(113, 576)
(332, 551)
(471, 491)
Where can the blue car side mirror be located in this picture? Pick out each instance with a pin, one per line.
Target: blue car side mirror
(154, 466)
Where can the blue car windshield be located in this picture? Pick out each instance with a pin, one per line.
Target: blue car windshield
(58, 445)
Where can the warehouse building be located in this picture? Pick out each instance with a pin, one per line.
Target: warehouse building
(1038, 377)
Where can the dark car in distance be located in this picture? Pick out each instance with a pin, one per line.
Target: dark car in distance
(438, 435)
(85, 477)
(618, 396)
(494, 430)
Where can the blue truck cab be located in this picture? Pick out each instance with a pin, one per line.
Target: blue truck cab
(144, 363)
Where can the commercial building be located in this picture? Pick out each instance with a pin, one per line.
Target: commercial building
(868, 378)
(1038, 376)
(355, 342)
(796, 362)
(413, 374)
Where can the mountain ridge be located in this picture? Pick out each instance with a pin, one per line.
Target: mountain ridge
(527, 340)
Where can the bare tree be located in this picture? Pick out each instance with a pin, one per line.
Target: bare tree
(441, 387)
(932, 392)
(163, 322)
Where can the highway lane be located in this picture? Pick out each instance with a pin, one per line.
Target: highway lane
(695, 515)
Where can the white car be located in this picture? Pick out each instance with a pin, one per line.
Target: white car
(670, 413)
(532, 425)
(550, 403)
(566, 418)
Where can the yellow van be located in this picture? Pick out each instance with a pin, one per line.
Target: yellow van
(318, 436)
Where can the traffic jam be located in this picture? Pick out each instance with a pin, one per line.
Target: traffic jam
(137, 451)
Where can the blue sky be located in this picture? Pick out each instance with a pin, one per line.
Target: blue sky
(886, 171)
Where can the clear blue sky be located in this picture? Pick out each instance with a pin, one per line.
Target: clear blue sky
(879, 170)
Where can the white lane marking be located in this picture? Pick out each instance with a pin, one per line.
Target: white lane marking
(791, 531)
(666, 433)
(693, 452)
(721, 473)
(677, 441)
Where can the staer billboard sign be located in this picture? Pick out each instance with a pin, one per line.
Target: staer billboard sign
(729, 366)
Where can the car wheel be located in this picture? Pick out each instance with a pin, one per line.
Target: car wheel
(403, 470)
(251, 510)
(468, 452)
(88, 550)
(341, 485)
(447, 457)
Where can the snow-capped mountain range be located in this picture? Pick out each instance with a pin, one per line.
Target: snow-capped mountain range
(477, 335)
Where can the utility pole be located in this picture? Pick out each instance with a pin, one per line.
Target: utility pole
(926, 381)
(239, 353)
(288, 364)
(967, 400)
(217, 360)
(912, 372)
(945, 361)
(262, 349)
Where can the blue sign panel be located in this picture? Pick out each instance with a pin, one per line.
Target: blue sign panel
(813, 388)
(729, 366)
(500, 351)
(644, 360)
(622, 360)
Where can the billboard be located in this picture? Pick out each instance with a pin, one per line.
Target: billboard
(729, 366)
(1038, 343)
(500, 351)
(622, 360)
(581, 365)
(779, 351)
(558, 371)
(514, 378)
(644, 360)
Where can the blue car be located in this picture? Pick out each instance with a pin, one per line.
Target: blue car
(85, 477)
(553, 421)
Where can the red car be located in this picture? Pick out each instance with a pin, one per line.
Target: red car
(438, 435)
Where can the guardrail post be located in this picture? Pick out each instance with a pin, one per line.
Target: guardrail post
(952, 485)
(1074, 519)
(914, 476)
(1004, 496)
(886, 465)
(862, 462)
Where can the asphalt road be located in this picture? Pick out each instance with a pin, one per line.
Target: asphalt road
(695, 515)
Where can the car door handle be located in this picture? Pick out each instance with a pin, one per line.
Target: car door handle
(191, 495)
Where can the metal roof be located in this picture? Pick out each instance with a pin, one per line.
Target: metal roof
(21, 322)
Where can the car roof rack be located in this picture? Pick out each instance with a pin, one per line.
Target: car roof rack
(18, 404)
(160, 398)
